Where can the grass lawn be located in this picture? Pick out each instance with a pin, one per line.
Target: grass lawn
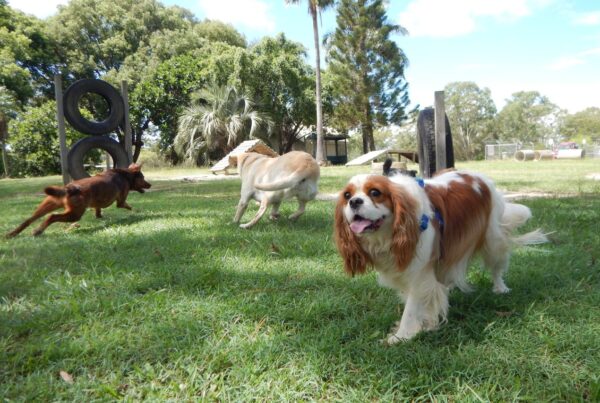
(173, 302)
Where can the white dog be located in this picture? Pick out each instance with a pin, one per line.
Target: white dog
(419, 236)
(271, 180)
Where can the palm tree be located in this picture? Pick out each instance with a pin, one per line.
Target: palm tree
(314, 9)
(219, 118)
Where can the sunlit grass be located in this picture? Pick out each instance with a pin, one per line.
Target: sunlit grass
(173, 302)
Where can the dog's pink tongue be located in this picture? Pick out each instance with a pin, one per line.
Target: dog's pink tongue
(358, 226)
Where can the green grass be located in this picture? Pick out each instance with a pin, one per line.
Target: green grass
(172, 302)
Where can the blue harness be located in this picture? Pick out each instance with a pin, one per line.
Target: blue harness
(425, 218)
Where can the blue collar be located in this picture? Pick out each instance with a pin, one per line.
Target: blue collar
(425, 218)
(425, 221)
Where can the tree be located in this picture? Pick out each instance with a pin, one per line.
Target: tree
(8, 110)
(528, 117)
(218, 120)
(471, 113)
(97, 38)
(367, 69)
(162, 94)
(314, 9)
(583, 124)
(283, 85)
(34, 143)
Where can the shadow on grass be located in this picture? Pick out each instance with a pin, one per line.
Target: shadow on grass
(216, 293)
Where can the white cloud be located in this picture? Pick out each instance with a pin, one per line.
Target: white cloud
(444, 18)
(252, 14)
(592, 18)
(40, 9)
(567, 62)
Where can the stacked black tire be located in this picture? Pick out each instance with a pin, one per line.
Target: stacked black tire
(426, 140)
(98, 130)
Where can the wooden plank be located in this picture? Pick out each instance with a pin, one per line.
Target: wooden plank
(366, 158)
(440, 131)
(62, 136)
(128, 139)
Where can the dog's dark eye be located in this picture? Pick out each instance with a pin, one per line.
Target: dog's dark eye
(374, 193)
(347, 195)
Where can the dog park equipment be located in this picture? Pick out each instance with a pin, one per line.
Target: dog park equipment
(574, 153)
(525, 155)
(67, 107)
(436, 151)
(366, 158)
(256, 146)
(435, 142)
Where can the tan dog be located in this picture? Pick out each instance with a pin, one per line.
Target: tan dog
(271, 180)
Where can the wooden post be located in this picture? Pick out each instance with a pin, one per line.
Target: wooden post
(440, 131)
(62, 136)
(128, 139)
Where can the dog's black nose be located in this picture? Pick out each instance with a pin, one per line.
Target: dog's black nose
(356, 202)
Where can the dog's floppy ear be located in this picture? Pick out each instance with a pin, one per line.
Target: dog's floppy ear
(355, 258)
(405, 226)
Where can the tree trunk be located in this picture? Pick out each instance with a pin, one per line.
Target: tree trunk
(3, 137)
(367, 131)
(5, 159)
(320, 157)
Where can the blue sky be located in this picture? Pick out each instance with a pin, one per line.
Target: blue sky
(550, 46)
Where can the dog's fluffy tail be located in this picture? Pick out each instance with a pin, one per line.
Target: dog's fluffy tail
(58, 191)
(282, 184)
(516, 215)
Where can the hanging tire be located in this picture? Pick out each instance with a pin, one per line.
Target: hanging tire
(81, 148)
(112, 97)
(426, 141)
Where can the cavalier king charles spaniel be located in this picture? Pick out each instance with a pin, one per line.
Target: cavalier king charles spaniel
(420, 234)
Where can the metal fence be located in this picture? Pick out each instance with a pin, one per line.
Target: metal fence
(500, 151)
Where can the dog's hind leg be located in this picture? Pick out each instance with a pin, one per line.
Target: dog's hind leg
(68, 216)
(261, 211)
(47, 205)
(275, 211)
(300, 211)
(496, 255)
(98, 212)
(241, 208)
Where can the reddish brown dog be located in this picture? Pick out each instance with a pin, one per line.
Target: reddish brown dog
(98, 192)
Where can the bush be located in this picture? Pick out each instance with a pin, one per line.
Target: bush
(33, 144)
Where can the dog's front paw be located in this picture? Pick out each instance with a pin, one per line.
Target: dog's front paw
(392, 339)
(245, 226)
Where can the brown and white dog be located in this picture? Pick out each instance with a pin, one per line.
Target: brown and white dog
(270, 180)
(419, 236)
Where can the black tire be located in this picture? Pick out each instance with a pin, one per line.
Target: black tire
(426, 141)
(114, 100)
(81, 148)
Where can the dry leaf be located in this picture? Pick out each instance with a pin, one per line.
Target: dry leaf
(66, 377)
